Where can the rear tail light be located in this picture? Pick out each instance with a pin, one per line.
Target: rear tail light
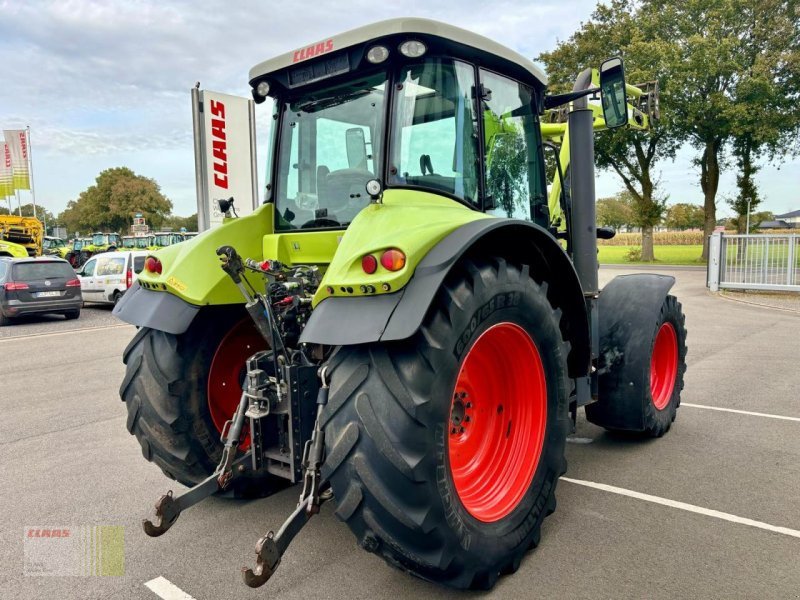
(369, 264)
(153, 265)
(15, 286)
(393, 260)
(74, 283)
(129, 278)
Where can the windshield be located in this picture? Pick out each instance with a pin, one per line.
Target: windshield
(330, 148)
(77, 244)
(163, 239)
(128, 243)
(142, 242)
(98, 239)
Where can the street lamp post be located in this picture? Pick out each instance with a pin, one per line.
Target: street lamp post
(747, 231)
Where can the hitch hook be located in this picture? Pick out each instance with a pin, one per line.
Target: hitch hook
(167, 513)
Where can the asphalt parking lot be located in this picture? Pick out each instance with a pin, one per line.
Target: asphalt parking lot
(720, 519)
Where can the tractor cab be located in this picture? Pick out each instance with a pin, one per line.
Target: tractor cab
(166, 238)
(105, 240)
(439, 110)
(128, 242)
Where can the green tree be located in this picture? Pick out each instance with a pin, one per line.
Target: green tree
(615, 212)
(614, 30)
(176, 223)
(110, 204)
(733, 78)
(684, 216)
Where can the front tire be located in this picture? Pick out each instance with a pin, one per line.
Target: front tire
(179, 395)
(410, 479)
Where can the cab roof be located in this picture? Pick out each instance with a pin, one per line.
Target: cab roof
(411, 26)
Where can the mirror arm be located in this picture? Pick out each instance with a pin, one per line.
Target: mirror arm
(559, 99)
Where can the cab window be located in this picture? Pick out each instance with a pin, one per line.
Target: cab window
(435, 143)
(330, 145)
(512, 145)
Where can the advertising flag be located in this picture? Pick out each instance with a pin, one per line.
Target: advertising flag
(17, 142)
(6, 177)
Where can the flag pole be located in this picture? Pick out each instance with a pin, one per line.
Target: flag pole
(30, 169)
(19, 204)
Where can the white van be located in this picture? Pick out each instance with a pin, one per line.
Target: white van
(105, 277)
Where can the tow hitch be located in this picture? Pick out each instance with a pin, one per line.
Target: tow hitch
(276, 409)
(270, 548)
(169, 508)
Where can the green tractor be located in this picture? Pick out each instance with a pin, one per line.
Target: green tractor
(75, 254)
(409, 323)
(54, 246)
(84, 248)
(162, 239)
(128, 242)
(101, 242)
(12, 250)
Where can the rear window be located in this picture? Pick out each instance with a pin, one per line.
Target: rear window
(138, 264)
(107, 265)
(32, 271)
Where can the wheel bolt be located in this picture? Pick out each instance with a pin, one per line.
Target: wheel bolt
(468, 405)
(467, 419)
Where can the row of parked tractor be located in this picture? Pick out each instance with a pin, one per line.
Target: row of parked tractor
(22, 237)
(81, 249)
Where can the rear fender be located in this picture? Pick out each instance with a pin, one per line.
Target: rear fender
(628, 308)
(192, 277)
(346, 321)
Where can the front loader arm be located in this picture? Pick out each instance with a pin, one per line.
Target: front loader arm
(643, 110)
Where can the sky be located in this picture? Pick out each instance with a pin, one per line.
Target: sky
(106, 84)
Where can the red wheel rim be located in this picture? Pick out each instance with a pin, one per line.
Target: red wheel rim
(664, 366)
(497, 422)
(227, 372)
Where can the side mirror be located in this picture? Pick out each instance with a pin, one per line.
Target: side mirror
(612, 93)
(356, 148)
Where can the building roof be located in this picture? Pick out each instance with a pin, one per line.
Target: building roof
(393, 27)
(773, 225)
(789, 215)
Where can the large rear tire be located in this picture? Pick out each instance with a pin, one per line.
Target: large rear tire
(179, 393)
(444, 450)
(640, 391)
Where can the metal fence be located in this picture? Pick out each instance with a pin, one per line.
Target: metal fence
(754, 262)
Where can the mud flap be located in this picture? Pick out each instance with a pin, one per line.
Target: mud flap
(157, 310)
(628, 308)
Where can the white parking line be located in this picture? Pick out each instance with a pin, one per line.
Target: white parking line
(684, 506)
(66, 332)
(164, 588)
(742, 412)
